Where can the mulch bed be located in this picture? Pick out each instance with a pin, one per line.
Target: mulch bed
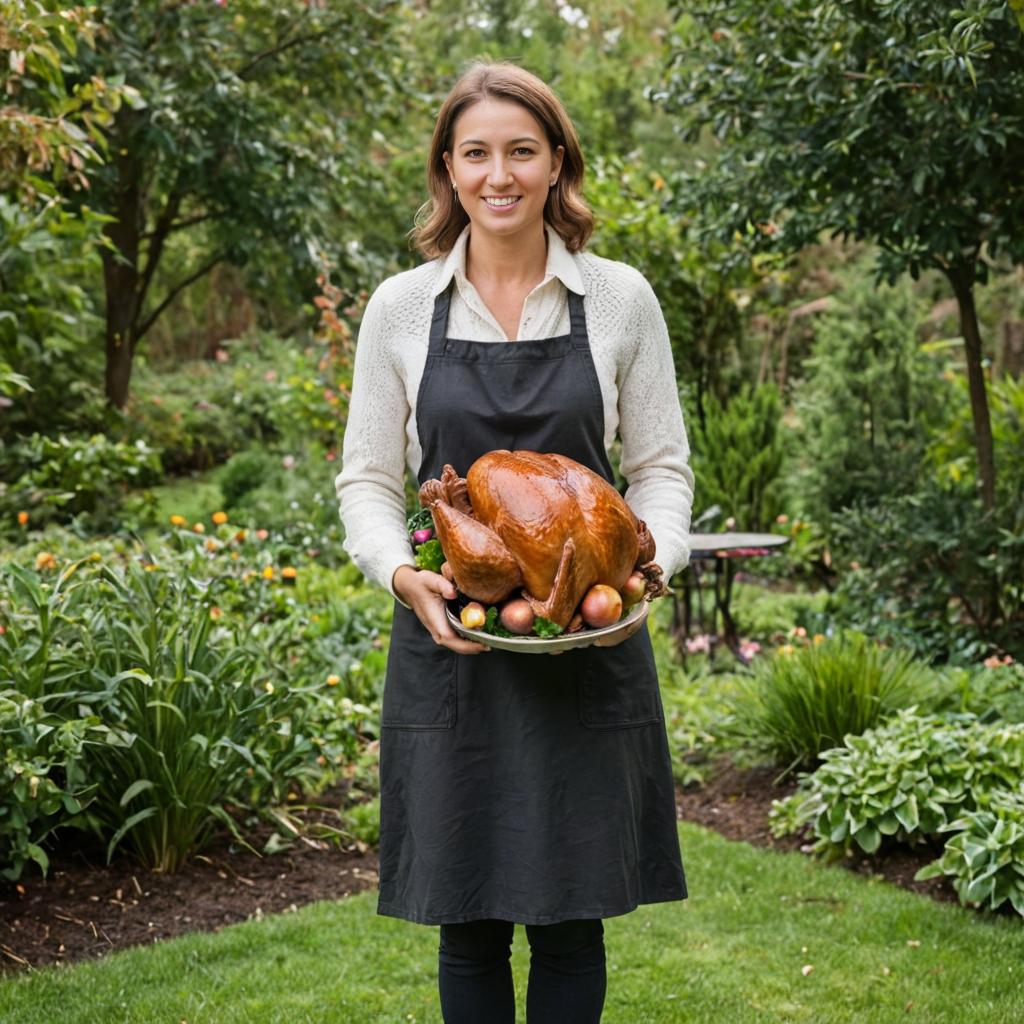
(736, 801)
(85, 909)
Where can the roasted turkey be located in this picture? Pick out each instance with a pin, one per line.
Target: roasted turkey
(541, 524)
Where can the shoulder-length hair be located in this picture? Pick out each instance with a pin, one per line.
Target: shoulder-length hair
(441, 219)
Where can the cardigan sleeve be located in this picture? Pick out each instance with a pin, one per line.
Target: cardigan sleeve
(371, 484)
(655, 451)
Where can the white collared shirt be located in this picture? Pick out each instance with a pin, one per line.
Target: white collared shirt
(630, 347)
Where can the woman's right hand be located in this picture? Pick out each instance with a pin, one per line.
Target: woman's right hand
(426, 592)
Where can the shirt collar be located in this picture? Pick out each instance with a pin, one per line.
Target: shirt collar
(561, 263)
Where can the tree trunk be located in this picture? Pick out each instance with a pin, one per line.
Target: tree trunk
(962, 279)
(121, 276)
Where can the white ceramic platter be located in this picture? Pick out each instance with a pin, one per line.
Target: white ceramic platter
(546, 645)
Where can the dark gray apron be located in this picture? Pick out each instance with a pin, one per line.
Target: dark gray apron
(528, 788)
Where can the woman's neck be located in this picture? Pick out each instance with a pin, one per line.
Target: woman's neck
(507, 262)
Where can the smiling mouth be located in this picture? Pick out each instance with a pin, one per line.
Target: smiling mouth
(501, 201)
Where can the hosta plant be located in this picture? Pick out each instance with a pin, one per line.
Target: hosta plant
(905, 779)
(985, 855)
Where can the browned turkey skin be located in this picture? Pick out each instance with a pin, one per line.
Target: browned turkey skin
(542, 524)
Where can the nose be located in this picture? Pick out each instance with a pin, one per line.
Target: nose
(499, 175)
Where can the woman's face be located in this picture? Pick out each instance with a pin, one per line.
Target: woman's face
(503, 166)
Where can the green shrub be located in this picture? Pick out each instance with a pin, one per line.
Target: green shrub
(211, 674)
(737, 457)
(73, 478)
(802, 701)
(934, 572)
(993, 692)
(870, 397)
(906, 779)
(985, 855)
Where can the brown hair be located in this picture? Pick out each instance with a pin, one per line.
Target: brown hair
(441, 219)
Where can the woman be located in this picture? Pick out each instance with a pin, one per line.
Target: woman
(514, 788)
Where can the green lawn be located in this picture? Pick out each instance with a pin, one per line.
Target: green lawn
(733, 952)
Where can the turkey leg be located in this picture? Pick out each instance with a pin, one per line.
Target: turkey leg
(561, 603)
(481, 565)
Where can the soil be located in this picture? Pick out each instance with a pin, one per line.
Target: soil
(85, 909)
(736, 801)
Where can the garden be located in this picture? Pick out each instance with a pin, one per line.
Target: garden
(197, 201)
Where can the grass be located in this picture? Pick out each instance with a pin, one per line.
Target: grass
(734, 952)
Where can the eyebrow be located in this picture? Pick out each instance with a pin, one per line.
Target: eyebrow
(481, 142)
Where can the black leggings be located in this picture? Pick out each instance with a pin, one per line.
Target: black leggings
(567, 973)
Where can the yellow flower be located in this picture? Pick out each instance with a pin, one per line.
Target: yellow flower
(268, 572)
(211, 544)
(150, 566)
(45, 560)
(219, 518)
(22, 518)
(179, 521)
(215, 612)
(787, 649)
(333, 680)
(198, 528)
(269, 687)
(819, 638)
(234, 556)
(95, 557)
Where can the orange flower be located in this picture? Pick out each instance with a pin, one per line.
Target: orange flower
(289, 573)
(45, 560)
(215, 612)
(219, 518)
(179, 521)
(198, 528)
(22, 518)
(211, 544)
(333, 680)
(240, 536)
(262, 534)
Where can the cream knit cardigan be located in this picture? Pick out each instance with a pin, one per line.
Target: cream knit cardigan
(630, 347)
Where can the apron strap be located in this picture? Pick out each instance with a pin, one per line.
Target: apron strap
(439, 323)
(577, 321)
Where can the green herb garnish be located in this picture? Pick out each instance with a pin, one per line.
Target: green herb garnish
(545, 627)
(430, 556)
(420, 520)
(493, 626)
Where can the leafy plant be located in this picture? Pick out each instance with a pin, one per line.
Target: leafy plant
(906, 779)
(985, 855)
(803, 701)
(737, 456)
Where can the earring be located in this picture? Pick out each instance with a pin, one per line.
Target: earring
(455, 188)
(552, 184)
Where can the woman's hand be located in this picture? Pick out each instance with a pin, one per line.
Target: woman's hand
(426, 592)
(613, 641)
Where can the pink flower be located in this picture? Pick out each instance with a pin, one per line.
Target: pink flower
(748, 648)
(698, 644)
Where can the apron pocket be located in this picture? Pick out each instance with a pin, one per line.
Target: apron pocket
(618, 686)
(419, 684)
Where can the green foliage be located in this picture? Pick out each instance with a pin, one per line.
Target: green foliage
(207, 673)
(803, 701)
(951, 449)
(994, 691)
(897, 122)
(430, 556)
(737, 457)
(919, 776)
(867, 403)
(41, 786)
(985, 856)
(932, 571)
(80, 478)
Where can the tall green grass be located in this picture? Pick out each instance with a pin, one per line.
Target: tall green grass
(804, 700)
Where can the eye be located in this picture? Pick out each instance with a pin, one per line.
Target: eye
(473, 153)
(523, 149)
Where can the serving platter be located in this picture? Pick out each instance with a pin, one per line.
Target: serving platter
(545, 645)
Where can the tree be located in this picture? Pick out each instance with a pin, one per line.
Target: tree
(251, 132)
(898, 122)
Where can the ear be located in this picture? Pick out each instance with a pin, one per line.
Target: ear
(448, 163)
(556, 160)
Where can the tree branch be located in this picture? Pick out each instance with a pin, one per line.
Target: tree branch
(244, 71)
(180, 224)
(170, 296)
